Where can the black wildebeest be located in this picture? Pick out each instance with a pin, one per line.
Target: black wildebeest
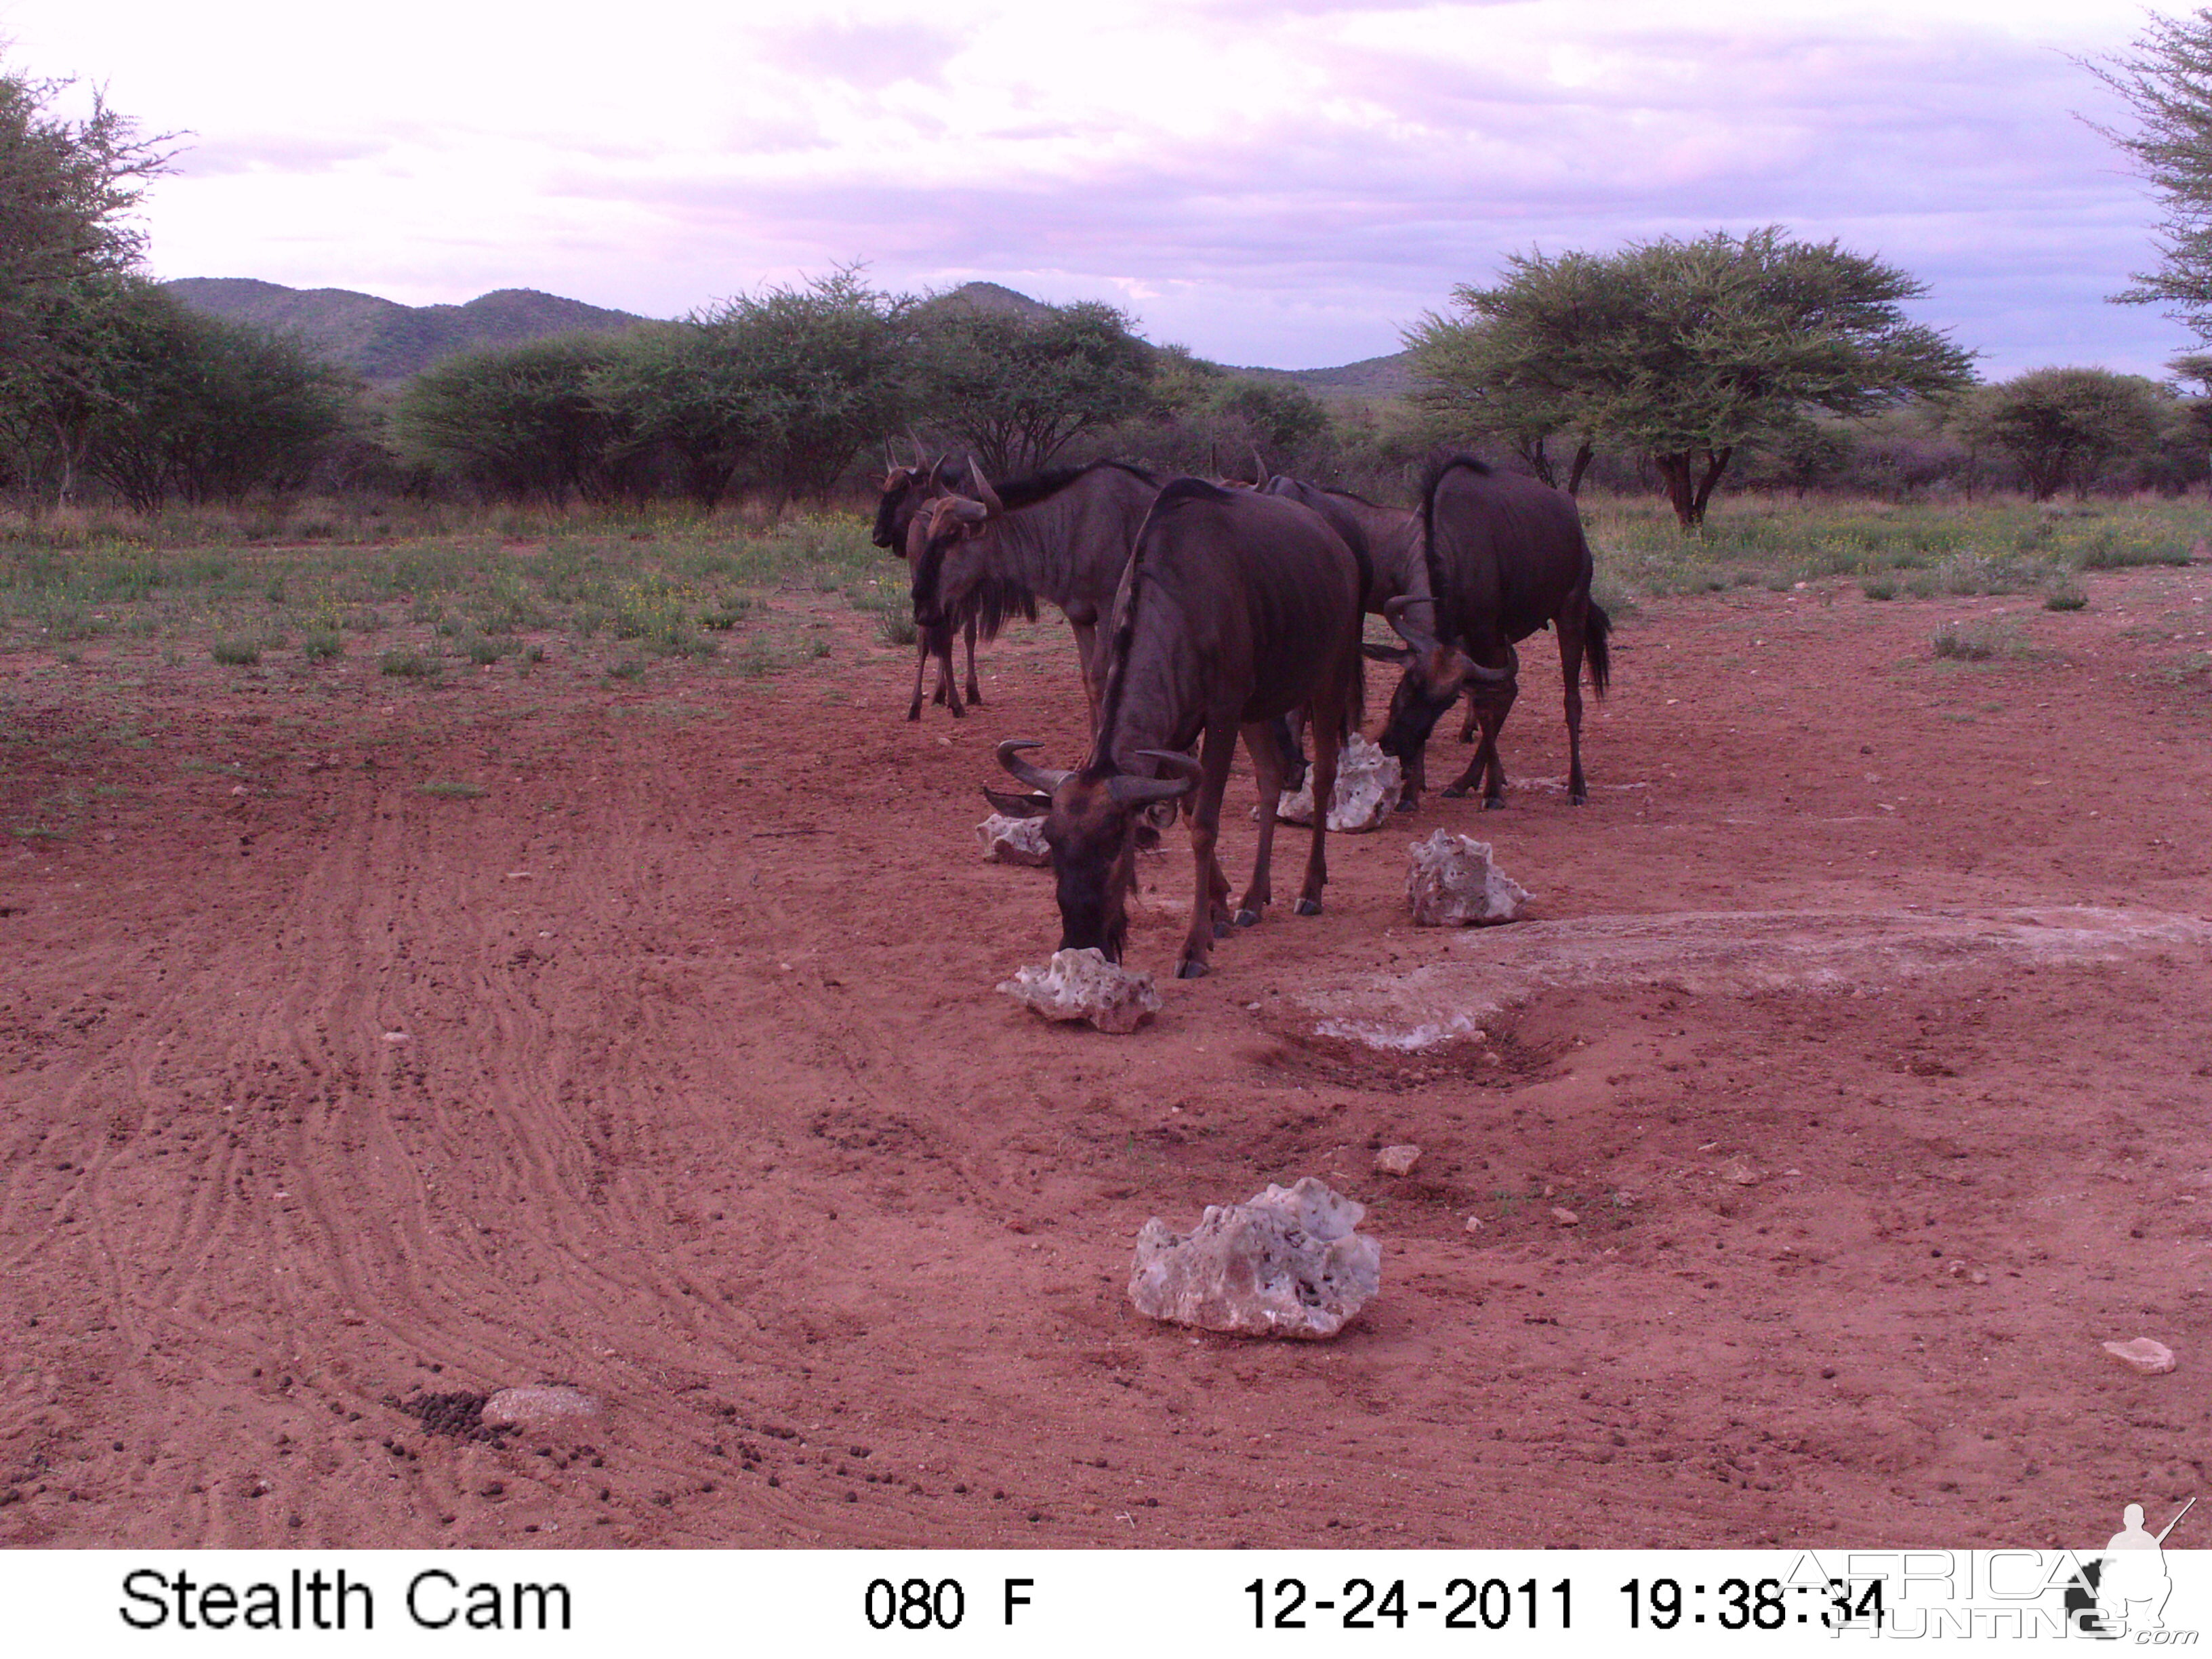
(1506, 554)
(1394, 562)
(907, 490)
(1236, 609)
(1063, 535)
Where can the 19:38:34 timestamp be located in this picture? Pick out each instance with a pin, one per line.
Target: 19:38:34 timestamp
(1745, 1604)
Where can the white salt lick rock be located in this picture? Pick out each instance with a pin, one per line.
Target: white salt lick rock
(1286, 1264)
(1014, 840)
(541, 1402)
(1367, 787)
(1451, 882)
(1084, 985)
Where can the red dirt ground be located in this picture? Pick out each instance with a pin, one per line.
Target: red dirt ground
(672, 1068)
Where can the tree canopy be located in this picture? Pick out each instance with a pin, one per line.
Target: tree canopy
(2063, 426)
(2168, 85)
(1683, 351)
(1017, 390)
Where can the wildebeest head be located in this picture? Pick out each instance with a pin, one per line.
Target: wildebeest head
(1091, 820)
(1436, 673)
(946, 547)
(906, 490)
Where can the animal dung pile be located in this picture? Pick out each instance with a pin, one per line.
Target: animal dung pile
(1367, 787)
(1084, 985)
(1286, 1264)
(1014, 840)
(1451, 882)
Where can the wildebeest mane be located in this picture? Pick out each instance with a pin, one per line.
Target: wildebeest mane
(1043, 486)
(992, 601)
(1438, 470)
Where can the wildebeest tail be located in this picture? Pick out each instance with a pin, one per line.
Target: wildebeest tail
(1596, 630)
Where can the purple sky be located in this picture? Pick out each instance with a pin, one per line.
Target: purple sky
(1269, 184)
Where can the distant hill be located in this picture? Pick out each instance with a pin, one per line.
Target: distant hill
(987, 297)
(1370, 377)
(386, 341)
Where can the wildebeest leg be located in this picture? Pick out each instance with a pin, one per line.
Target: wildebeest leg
(1264, 740)
(921, 654)
(1209, 904)
(1086, 650)
(948, 691)
(1290, 733)
(1490, 710)
(975, 690)
(1326, 727)
(1573, 617)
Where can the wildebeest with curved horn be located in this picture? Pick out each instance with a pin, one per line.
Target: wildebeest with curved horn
(1506, 554)
(906, 491)
(1236, 609)
(1063, 535)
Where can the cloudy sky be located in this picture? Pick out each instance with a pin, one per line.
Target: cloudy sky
(1281, 182)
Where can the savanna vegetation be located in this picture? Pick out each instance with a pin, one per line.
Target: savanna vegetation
(218, 491)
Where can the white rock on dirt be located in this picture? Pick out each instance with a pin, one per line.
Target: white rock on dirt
(2144, 1355)
(545, 1402)
(1397, 1160)
(1014, 840)
(1288, 1263)
(1451, 882)
(1084, 985)
(1367, 787)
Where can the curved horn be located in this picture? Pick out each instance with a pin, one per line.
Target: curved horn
(984, 493)
(1260, 474)
(1037, 777)
(1129, 790)
(936, 472)
(1394, 612)
(1181, 763)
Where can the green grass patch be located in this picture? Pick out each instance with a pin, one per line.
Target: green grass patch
(406, 664)
(236, 652)
(450, 791)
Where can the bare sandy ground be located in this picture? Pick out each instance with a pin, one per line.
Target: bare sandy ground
(1863, 1024)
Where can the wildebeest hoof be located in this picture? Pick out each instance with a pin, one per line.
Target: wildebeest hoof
(1407, 803)
(1453, 791)
(1493, 803)
(1580, 800)
(1192, 969)
(1307, 907)
(1247, 918)
(1220, 929)
(914, 712)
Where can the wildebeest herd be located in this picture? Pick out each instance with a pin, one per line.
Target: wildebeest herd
(1203, 611)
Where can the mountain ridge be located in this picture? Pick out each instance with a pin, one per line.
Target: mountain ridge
(385, 341)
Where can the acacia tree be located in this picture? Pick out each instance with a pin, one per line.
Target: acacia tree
(1511, 368)
(205, 408)
(2168, 84)
(67, 244)
(522, 421)
(1686, 351)
(829, 364)
(2065, 426)
(1017, 390)
(683, 394)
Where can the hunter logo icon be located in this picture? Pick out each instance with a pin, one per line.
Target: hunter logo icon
(2123, 1591)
